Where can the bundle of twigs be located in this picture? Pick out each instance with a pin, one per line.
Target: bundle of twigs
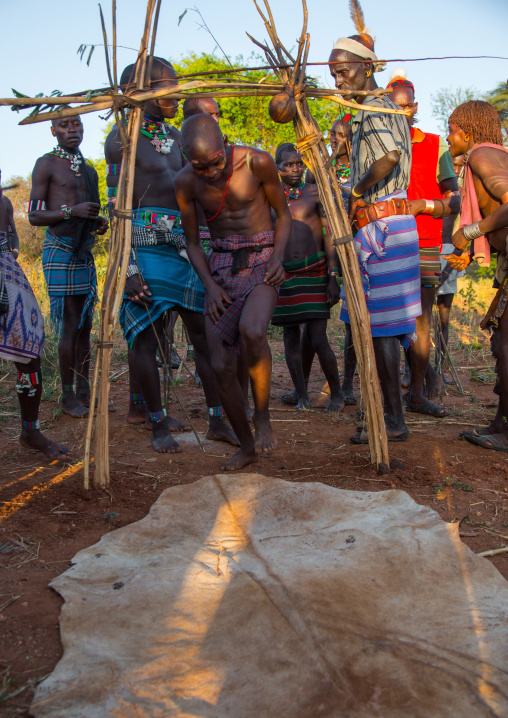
(311, 143)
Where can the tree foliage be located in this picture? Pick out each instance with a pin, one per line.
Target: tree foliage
(498, 98)
(447, 99)
(245, 120)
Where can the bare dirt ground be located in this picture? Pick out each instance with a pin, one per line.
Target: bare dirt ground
(46, 516)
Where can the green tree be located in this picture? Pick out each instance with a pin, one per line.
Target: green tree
(498, 98)
(447, 99)
(245, 120)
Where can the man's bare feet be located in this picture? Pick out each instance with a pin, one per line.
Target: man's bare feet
(265, 438)
(433, 383)
(335, 404)
(175, 426)
(162, 440)
(238, 461)
(218, 430)
(35, 439)
(71, 406)
(303, 404)
(138, 414)
(347, 392)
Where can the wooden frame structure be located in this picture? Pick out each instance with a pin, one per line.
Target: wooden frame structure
(291, 75)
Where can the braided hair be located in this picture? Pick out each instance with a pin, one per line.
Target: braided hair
(479, 119)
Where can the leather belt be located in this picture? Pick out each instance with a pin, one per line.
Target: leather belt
(380, 210)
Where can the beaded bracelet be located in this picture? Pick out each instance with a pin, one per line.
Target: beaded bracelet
(36, 204)
(472, 231)
(326, 230)
(66, 211)
(132, 269)
(333, 271)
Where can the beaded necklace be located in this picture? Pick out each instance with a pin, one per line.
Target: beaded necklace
(158, 132)
(343, 172)
(294, 192)
(74, 159)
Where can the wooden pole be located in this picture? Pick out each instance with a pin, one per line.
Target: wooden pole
(118, 259)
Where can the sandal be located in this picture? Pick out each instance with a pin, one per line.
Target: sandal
(483, 440)
(428, 408)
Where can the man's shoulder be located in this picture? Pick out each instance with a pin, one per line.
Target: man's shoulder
(45, 162)
(312, 191)
(380, 101)
(488, 152)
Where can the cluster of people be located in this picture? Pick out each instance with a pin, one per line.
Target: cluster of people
(233, 239)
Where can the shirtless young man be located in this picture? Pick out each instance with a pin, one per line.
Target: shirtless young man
(159, 276)
(65, 199)
(236, 187)
(475, 131)
(340, 143)
(310, 287)
(22, 337)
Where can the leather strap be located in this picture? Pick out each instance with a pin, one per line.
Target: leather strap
(380, 210)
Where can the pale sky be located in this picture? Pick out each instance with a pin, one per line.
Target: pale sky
(40, 42)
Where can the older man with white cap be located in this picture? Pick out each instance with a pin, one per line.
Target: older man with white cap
(386, 240)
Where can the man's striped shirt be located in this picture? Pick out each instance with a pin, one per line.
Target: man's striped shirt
(374, 136)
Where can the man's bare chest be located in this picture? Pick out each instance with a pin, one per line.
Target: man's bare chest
(149, 161)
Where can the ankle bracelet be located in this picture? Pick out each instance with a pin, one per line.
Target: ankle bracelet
(67, 388)
(215, 411)
(82, 384)
(136, 399)
(30, 424)
(157, 416)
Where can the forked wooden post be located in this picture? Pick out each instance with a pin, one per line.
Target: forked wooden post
(311, 143)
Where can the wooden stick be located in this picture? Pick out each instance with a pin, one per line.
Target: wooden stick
(105, 96)
(493, 552)
(118, 258)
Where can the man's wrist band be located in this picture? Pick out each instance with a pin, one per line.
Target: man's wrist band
(132, 269)
(472, 231)
(429, 206)
(333, 271)
(355, 194)
(504, 198)
(66, 211)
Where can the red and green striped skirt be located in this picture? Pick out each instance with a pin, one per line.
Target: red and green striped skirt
(303, 294)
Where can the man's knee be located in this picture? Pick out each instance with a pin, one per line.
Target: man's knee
(222, 366)
(253, 335)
